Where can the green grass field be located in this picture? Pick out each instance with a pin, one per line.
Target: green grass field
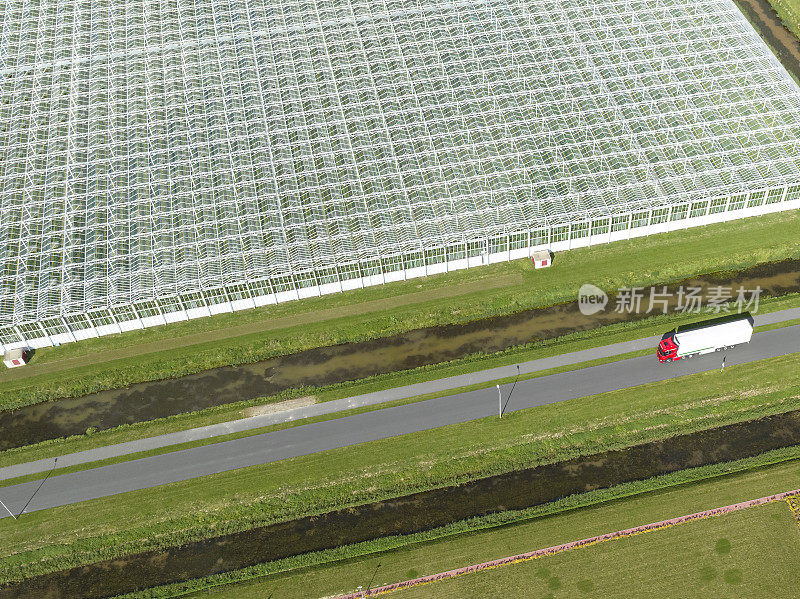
(240, 499)
(751, 553)
(570, 568)
(461, 296)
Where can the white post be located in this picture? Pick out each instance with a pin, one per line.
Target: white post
(8, 510)
(499, 402)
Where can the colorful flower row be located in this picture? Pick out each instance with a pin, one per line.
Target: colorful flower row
(794, 505)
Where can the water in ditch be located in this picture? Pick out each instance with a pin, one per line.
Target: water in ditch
(346, 362)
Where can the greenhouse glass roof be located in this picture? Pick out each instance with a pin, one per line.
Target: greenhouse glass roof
(153, 148)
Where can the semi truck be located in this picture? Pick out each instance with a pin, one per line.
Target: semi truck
(705, 337)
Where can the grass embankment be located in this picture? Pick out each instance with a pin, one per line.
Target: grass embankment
(751, 553)
(240, 499)
(696, 558)
(569, 343)
(789, 12)
(461, 296)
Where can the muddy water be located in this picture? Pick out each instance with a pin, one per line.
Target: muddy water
(413, 513)
(770, 27)
(347, 362)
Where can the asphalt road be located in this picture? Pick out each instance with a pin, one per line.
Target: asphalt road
(379, 424)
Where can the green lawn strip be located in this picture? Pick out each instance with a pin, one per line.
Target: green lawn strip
(483, 539)
(569, 343)
(752, 553)
(294, 423)
(241, 499)
(642, 261)
(777, 325)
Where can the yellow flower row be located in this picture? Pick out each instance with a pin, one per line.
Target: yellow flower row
(794, 505)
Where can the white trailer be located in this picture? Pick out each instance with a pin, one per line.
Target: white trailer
(704, 338)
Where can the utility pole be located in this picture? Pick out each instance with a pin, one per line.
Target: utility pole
(371, 580)
(39, 488)
(499, 402)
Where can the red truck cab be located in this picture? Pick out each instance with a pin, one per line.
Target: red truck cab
(667, 350)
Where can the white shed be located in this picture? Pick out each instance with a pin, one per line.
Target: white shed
(15, 357)
(541, 259)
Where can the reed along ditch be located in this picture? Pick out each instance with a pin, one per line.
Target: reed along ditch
(414, 513)
(346, 362)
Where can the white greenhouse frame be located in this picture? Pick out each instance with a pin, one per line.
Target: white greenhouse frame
(162, 160)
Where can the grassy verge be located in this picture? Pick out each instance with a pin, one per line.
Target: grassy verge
(428, 556)
(789, 12)
(240, 499)
(568, 343)
(249, 336)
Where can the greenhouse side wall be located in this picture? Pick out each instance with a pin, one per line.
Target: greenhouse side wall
(468, 254)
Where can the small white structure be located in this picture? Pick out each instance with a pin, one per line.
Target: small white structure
(541, 259)
(15, 357)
